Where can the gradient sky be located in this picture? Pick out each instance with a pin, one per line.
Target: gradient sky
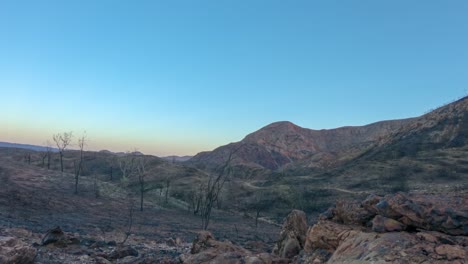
(179, 77)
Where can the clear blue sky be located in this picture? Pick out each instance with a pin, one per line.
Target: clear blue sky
(179, 77)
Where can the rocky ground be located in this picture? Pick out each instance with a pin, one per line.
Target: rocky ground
(34, 200)
(42, 221)
(400, 228)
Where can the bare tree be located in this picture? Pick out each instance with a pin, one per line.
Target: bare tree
(62, 141)
(79, 168)
(260, 202)
(46, 154)
(167, 181)
(129, 223)
(127, 165)
(43, 157)
(27, 158)
(142, 172)
(49, 153)
(212, 190)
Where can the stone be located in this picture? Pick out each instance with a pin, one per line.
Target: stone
(52, 236)
(444, 213)
(383, 224)
(326, 235)
(122, 252)
(15, 251)
(292, 236)
(406, 228)
(206, 249)
(452, 252)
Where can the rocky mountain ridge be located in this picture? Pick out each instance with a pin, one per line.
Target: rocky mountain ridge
(284, 144)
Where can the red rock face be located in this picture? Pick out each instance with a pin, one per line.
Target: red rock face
(283, 143)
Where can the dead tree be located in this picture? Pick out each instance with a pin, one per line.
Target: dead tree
(49, 153)
(127, 165)
(43, 157)
(213, 189)
(142, 172)
(261, 202)
(62, 141)
(167, 180)
(79, 169)
(129, 222)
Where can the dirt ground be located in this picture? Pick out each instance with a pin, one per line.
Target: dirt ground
(36, 199)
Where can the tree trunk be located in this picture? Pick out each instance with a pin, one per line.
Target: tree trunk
(141, 198)
(76, 184)
(167, 192)
(77, 173)
(61, 162)
(256, 218)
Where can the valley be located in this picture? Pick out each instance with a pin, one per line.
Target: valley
(247, 187)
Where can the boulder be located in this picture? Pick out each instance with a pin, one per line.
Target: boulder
(383, 224)
(452, 252)
(326, 235)
(444, 213)
(351, 212)
(206, 249)
(53, 235)
(122, 252)
(292, 236)
(405, 228)
(15, 251)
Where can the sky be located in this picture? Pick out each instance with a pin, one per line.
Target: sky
(180, 77)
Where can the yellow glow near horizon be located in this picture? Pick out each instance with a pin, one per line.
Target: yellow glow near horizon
(113, 140)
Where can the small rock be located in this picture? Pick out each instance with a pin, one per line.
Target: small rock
(451, 252)
(14, 251)
(53, 235)
(122, 252)
(101, 260)
(383, 224)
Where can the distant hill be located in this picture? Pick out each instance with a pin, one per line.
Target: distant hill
(25, 146)
(177, 158)
(283, 143)
(286, 145)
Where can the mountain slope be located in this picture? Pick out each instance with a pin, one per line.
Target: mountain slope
(25, 146)
(283, 144)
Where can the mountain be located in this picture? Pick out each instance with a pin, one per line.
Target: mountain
(25, 146)
(285, 145)
(177, 158)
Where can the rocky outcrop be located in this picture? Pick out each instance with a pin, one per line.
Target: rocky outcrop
(14, 251)
(292, 236)
(397, 228)
(206, 249)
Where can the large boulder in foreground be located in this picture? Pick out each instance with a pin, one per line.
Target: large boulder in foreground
(15, 251)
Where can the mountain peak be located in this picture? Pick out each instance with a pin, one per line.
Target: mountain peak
(282, 124)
